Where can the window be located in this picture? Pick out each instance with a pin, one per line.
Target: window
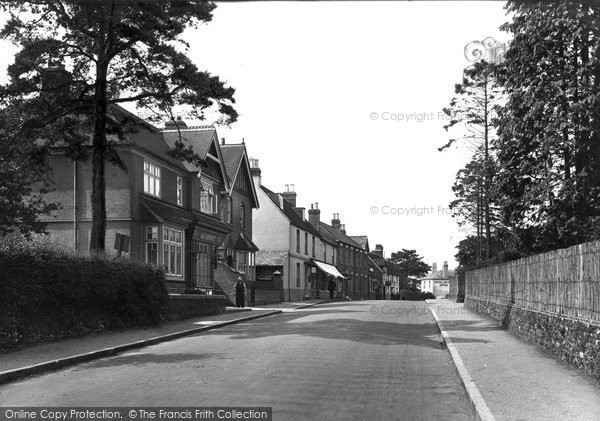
(151, 179)
(242, 262)
(242, 215)
(305, 243)
(313, 246)
(152, 245)
(208, 198)
(324, 252)
(172, 251)
(298, 275)
(297, 241)
(179, 191)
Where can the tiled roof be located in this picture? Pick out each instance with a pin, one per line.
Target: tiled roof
(232, 155)
(199, 138)
(289, 212)
(244, 243)
(161, 212)
(338, 235)
(362, 240)
(439, 275)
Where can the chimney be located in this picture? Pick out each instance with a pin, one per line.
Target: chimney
(445, 270)
(314, 215)
(255, 171)
(289, 194)
(434, 268)
(378, 251)
(335, 222)
(300, 211)
(343, 228)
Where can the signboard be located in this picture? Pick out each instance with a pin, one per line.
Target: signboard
(208, 237)
(121, 243)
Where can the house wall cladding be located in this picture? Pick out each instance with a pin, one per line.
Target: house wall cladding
(551, 299)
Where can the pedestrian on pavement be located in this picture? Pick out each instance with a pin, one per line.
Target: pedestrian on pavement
(240, 293)
(331, 288)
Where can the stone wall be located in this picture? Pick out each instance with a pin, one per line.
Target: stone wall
(571, 340)
(183, 307)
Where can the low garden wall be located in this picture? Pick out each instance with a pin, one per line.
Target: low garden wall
(182, 307)
(551, 299)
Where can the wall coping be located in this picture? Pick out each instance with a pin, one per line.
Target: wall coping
(196, 297)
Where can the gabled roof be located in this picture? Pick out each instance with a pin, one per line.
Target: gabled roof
(236, 160)
(203, 140)
(339, 236)
(362, 240)
(289, 212)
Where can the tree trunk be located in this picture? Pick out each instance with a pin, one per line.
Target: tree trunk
(98, 235)
(99, 145)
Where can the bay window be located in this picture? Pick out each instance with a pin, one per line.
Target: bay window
(172, 251)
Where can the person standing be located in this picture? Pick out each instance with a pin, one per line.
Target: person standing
(331, 288)
(240, 293)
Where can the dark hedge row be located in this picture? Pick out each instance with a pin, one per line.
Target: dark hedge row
(410, 295)
(49, 293)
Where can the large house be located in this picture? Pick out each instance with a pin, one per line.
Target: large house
(159, 210)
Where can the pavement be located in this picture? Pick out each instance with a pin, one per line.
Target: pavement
(507, 378)
(47, 356)
(344, 360)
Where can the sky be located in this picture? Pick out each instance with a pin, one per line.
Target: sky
(344, 100)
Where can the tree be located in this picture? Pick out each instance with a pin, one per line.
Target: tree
(472, 111)
(549, 129)
(410, 263)
(22, 166)
(78, 60)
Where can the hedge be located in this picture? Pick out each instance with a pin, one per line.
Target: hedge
(48, 293)
(410, 295)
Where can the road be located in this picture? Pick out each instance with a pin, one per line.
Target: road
(367, 360)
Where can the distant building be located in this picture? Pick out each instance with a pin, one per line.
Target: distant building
(438, 281)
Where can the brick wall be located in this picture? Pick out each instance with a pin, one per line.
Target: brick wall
(183, 307)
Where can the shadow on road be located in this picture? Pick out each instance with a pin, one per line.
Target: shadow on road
(146, 358)
(322, 322)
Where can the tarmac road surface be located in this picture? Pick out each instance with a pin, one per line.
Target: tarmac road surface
(364, 360)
